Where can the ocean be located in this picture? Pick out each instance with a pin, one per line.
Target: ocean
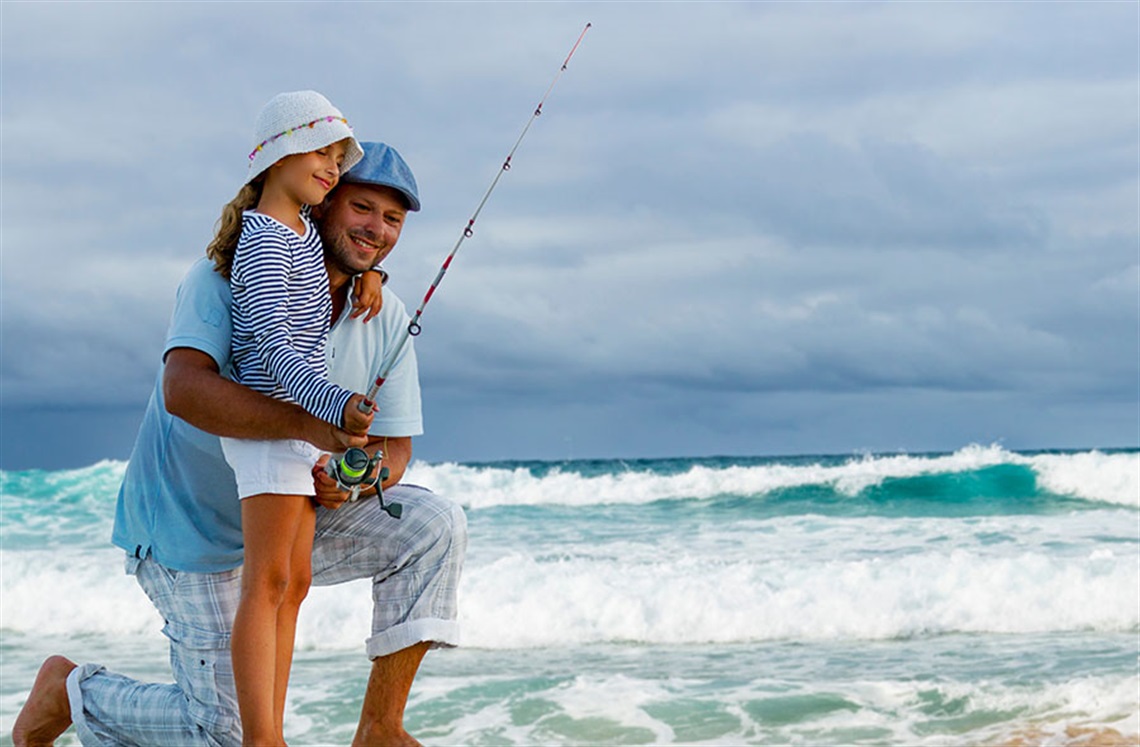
(982, 597)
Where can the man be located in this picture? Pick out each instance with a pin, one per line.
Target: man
(178, 515)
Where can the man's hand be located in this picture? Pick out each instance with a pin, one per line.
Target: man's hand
(327, 493)
(327, 437)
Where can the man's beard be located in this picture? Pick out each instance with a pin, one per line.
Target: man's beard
(341, 254)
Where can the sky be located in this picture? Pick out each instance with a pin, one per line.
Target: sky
(759, 228)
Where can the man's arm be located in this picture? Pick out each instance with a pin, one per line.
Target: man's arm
(195, 391)
(397, 454)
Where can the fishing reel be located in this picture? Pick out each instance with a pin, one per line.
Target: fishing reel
(351, 470)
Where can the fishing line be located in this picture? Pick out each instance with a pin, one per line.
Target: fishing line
(414, 328)
(350, 469)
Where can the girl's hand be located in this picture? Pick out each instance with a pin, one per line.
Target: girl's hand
(368, 294)
(355, 421)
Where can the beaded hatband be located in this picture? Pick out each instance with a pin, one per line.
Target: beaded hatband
(291, 130)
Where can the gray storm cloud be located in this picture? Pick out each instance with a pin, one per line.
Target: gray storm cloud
(736, 227)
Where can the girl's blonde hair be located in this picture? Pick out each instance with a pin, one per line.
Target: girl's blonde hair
(227, 231)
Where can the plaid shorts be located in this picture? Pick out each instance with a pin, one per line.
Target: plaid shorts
(414, 563)
(200, 708)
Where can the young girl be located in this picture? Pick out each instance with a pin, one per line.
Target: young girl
(273, 258)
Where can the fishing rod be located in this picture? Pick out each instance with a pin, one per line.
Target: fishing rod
(414, 328)
(350, 470)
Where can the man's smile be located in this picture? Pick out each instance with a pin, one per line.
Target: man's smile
(366, 244)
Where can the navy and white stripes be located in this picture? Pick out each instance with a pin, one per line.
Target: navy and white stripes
(281, 316)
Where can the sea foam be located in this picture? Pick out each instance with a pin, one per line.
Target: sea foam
(1093, 476)
(599, 576)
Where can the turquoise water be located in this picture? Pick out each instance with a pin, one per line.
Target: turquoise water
(978, 597)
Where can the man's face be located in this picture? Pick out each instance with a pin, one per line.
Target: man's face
(359, 225)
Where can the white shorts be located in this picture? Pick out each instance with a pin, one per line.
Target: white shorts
(283, 467)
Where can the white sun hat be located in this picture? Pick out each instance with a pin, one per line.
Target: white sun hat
(299, 122)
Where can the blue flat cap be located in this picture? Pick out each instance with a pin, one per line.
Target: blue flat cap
(384, 167)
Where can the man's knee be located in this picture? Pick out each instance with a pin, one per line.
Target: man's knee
(445, 535)
(361, 541)
(458, 529)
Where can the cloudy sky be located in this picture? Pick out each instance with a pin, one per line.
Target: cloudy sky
(738, 228)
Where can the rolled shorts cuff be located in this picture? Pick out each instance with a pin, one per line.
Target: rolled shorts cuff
(282, 467)
(87, 735)
(440, 633)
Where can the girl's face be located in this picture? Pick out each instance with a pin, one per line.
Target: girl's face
(308, 177)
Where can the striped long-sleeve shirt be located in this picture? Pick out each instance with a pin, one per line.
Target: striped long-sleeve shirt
(281, 316)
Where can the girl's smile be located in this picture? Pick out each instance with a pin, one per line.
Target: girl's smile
(308, 177)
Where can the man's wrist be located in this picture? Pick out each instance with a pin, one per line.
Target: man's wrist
(310, 428)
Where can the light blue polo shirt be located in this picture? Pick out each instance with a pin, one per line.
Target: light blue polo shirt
(178, 500)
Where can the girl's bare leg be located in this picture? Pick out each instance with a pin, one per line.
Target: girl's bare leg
(269, 523)
(300, 579)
